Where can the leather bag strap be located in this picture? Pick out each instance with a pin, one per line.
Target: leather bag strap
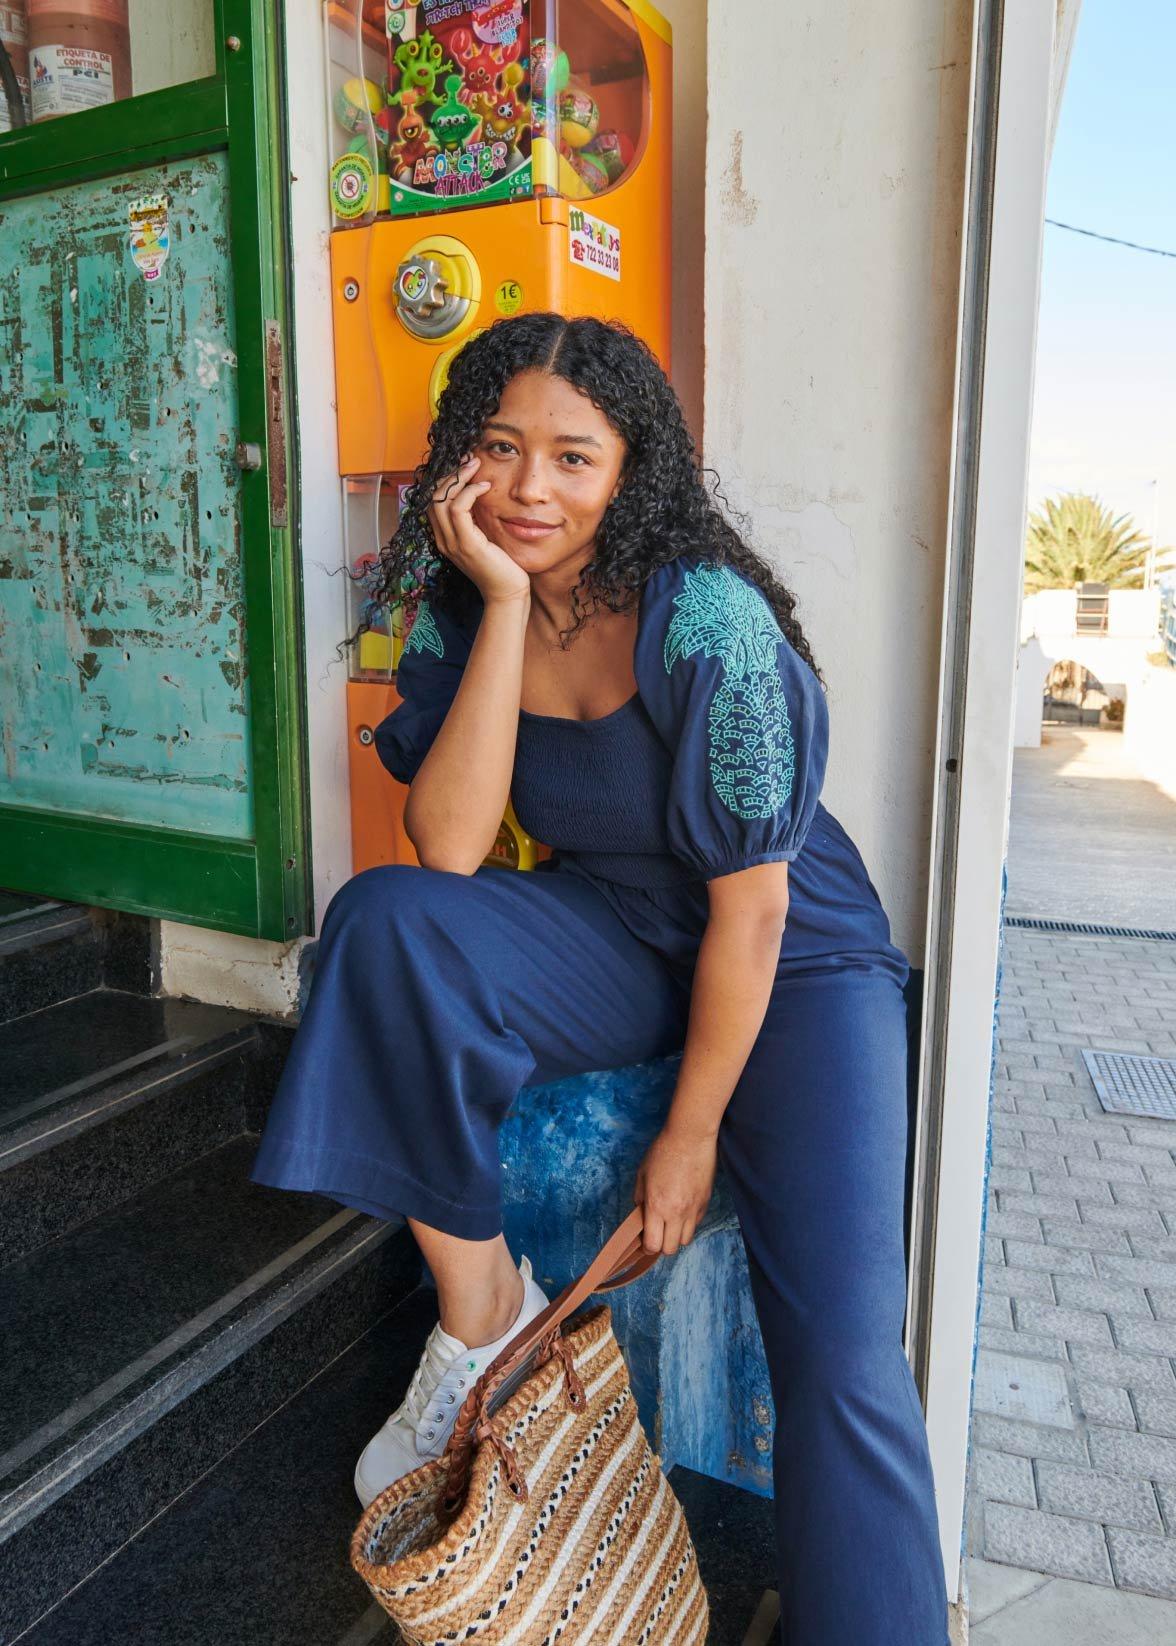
(621, 1260)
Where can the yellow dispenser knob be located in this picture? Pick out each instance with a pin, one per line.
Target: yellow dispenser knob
(437, 289)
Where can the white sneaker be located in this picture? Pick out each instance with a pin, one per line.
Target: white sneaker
(423, 1422)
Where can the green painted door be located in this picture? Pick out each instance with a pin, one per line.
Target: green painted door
(150, 701)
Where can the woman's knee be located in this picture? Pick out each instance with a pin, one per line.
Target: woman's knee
(834, 1340)
(394, 892)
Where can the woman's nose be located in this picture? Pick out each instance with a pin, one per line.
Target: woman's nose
(529, 483)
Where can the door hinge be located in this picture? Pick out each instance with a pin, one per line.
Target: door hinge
(275, 412)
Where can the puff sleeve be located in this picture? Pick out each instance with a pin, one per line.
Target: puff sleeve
(431, 666)
(742, 714)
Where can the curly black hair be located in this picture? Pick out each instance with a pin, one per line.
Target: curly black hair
(662, 510)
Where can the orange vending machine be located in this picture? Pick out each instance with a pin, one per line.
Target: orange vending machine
(488, 158)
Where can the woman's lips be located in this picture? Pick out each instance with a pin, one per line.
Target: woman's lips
(528, 531)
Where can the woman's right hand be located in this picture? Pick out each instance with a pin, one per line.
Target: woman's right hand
(464, 543)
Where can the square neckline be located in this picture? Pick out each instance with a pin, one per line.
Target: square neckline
(573, 720)
(599, 719)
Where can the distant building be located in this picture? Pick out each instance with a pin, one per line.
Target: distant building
(1071, 635)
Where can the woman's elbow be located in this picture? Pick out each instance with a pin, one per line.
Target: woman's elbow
(447, 862)
(434, 852)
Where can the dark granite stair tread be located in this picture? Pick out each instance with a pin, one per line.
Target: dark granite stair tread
(84, 1308)
(73, 1046)
(42, 925)
(18, 905)
(734, 1536)
(47, 953)
(258, 1549)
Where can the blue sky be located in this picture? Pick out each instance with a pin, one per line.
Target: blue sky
(1105, 406)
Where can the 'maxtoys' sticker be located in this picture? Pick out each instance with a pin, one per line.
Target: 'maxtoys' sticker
(593, 243)
(150, 234)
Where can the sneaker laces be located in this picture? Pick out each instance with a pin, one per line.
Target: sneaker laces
(435, 1364)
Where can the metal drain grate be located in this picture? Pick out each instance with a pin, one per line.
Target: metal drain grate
(1133, 1085)
(1084, 928)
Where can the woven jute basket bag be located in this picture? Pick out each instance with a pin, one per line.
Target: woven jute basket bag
(547, 1517)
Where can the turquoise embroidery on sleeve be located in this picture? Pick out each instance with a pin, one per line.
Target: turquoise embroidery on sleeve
(424, 636)
(751, 751)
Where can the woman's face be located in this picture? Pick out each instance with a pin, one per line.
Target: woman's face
(554, 464)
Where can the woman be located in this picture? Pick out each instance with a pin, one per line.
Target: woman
(596, 642)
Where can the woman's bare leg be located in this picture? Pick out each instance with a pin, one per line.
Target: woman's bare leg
(479, 1286)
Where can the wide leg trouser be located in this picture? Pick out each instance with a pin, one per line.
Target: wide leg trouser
(437, 996)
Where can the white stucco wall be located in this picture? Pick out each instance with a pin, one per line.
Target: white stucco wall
(834, 211)
(172, 41)
(1149, 730)
(1049, 635)
(1132, 614)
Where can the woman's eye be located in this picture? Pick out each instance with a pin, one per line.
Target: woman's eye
(579, 460)
(500, 448)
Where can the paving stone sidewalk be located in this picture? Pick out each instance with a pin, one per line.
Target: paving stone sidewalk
(1074, 1432)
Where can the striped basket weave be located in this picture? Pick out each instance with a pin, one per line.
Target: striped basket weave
(566, 1528)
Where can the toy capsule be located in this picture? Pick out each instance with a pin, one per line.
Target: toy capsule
(578, 116)
(550, 69)
(356, 102)
(613, 150)
(589, 168)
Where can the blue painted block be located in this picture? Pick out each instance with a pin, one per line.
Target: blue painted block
(570, 1153)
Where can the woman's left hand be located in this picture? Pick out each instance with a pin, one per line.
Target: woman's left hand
(674, 1184)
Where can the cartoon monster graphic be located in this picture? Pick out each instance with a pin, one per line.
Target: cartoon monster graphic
(453, 124)
(420, 61)
(481, 64)
(503, 115)
(414, 141)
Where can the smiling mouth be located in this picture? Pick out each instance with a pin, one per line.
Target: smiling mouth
(529, 528)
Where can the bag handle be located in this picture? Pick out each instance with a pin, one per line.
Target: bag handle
(621, 1260)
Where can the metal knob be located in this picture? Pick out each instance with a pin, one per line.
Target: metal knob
(424, 302)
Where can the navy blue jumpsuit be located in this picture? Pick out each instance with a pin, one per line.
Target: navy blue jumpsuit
(437, 996)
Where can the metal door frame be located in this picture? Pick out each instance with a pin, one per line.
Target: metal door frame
(1003, 231)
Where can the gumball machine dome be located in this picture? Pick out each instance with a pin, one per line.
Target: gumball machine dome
(441, 105)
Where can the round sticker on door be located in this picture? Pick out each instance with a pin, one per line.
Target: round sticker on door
(352, 185)
(508, 299)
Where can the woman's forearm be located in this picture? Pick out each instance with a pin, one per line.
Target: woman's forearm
(732, 985)
(458, 797)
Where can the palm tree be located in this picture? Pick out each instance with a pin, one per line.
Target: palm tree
(1076, 539)
(751, 753)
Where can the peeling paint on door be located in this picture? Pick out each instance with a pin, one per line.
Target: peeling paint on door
(123, 672)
